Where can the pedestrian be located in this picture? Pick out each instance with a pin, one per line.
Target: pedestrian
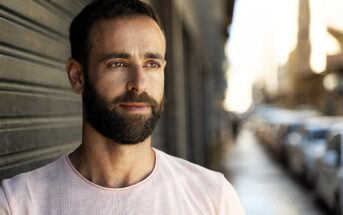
(117, 66)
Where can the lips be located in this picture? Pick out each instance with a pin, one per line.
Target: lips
(134, 105)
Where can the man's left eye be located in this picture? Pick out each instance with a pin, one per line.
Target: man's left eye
(153, 65)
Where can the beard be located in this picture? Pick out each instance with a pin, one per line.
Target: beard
(120, 126)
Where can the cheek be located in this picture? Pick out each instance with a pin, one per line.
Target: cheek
(155, 85)
(111, 85)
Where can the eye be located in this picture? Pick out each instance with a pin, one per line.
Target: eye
(116, 64)
(152, 64)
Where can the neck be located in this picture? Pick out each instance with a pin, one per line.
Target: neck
(110, 164)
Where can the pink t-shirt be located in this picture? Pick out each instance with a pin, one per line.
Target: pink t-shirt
(174, 187)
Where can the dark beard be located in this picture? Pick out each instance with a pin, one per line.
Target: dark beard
(122, 128)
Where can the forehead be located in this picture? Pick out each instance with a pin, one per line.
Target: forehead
(127, 33)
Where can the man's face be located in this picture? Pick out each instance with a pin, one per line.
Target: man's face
(123, 93)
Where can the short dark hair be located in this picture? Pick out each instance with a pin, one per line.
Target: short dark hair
(98, 10)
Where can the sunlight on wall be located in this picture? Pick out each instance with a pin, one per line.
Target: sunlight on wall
(330, 82)
(333, 13)
(322, 43)
(286, 28)
(262, 36)
(241, 99)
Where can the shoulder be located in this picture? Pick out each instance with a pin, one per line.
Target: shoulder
(38, 174)
(179, 165)
(35, 180)
(190, 175)
(4, 206)
(207, 185)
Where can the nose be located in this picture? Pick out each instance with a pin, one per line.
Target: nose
(137, 80)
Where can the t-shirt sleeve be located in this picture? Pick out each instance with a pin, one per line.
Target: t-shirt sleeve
(230, 203)
(4, 207)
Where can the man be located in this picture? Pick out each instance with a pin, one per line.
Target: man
(117, 65)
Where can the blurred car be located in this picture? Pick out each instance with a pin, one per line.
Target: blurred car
(329, 173)
(304, 149)
(284, 132)
(263, 118)
(274, 124)
(288, 123)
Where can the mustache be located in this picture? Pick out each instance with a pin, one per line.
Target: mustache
(131, 96)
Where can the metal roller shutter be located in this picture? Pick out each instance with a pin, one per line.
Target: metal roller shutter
(40, 118)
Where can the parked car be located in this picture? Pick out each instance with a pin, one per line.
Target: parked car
(302, 152)
(288, 124)
(264, 119)
(274, 124)
(329, 172)
(285, 130)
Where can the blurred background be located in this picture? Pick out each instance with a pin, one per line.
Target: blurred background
(254, 89)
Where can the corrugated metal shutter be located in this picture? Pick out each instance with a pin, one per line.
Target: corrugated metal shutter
(40, 118)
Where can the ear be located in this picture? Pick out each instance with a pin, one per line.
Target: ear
(75, 75)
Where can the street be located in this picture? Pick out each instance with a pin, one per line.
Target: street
(264, 186)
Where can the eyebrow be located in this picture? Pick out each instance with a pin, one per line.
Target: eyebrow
(151, 55)
(112, 56)
(148, 55)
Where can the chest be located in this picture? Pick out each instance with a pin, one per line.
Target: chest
(154, 200)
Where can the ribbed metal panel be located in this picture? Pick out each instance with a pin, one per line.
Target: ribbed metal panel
(40, 118)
